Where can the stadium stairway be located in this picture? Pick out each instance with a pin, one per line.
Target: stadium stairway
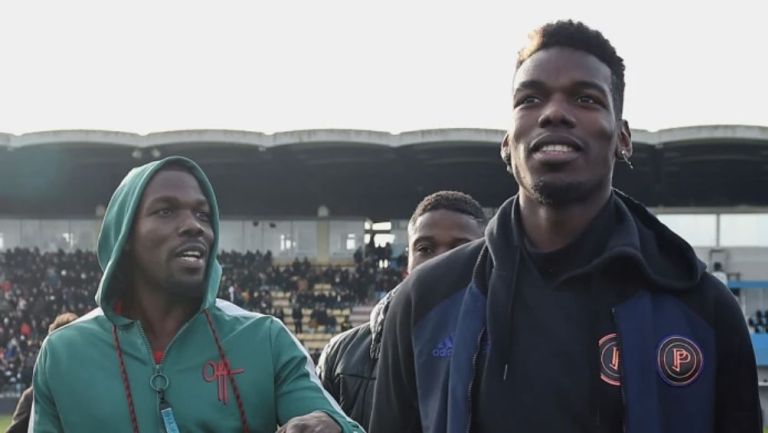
(314, 339)
(360, 314)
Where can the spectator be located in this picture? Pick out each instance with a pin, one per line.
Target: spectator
(346, 325)
(315, 355)
(20, 419)
(331, 323)
(278, 313)
(36, 286)
(719, 273)
(297, 316)
(441, 222)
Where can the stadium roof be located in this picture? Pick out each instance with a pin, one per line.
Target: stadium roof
(361, 173)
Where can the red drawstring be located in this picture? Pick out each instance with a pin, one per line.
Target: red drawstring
(127, 387)
(126, 384)
(240, 407)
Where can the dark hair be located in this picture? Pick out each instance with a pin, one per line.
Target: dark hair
(453, 201)
(578, 36)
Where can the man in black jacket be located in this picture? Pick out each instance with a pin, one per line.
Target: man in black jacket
(442, 221)
(579, 311)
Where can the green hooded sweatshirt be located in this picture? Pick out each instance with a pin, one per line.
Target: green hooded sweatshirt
(79, 385)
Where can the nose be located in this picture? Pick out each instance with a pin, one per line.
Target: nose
(556, 113)
(190, 225)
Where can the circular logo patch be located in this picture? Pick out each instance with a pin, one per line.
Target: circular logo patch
(680, 360)
(609, 360)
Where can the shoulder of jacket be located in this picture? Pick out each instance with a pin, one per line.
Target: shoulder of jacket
(229, 309)
(437, 281)
(75, 329)
(349, 335)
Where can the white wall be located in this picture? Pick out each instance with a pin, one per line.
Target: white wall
(287, 239)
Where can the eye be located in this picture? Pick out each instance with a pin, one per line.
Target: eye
(204, 215)
(589, 100)
(164, 212)
(424, 249)
(527, 100)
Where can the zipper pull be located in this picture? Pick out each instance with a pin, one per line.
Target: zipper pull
(159, 382)
(166, 414)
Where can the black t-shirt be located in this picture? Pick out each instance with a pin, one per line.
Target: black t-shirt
(554, 379)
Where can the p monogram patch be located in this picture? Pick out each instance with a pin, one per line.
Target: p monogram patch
(679, 360)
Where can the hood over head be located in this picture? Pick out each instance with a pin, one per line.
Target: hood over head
(118, 222)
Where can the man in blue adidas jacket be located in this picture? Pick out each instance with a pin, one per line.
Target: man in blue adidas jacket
(579, 311)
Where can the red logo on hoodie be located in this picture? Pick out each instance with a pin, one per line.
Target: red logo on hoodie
(680, 360)
(220, 372)
(610, 360)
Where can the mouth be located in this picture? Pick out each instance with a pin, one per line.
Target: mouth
(555, 149)
(192, 254)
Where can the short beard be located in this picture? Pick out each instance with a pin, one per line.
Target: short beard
(561, 194)
(553, 193)
(187, 289)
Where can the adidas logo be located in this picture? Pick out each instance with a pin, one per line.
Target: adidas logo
(444, 349)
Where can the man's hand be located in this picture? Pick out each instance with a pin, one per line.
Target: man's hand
(315, 422)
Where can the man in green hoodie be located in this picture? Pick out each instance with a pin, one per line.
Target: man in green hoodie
(162, 353)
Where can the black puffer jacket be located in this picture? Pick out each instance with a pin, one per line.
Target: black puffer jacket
(347, 366)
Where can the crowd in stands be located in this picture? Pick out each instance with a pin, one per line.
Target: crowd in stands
(758, 323)
(36, 286)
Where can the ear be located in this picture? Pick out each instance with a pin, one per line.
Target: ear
(624, 147)
(505, 156)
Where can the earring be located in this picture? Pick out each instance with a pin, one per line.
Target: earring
(626, 159)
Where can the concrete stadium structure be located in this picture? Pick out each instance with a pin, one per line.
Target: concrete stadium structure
(707, 182)
(309, 193)
(362, 173)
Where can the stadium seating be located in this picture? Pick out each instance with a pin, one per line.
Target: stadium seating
(36, 286)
